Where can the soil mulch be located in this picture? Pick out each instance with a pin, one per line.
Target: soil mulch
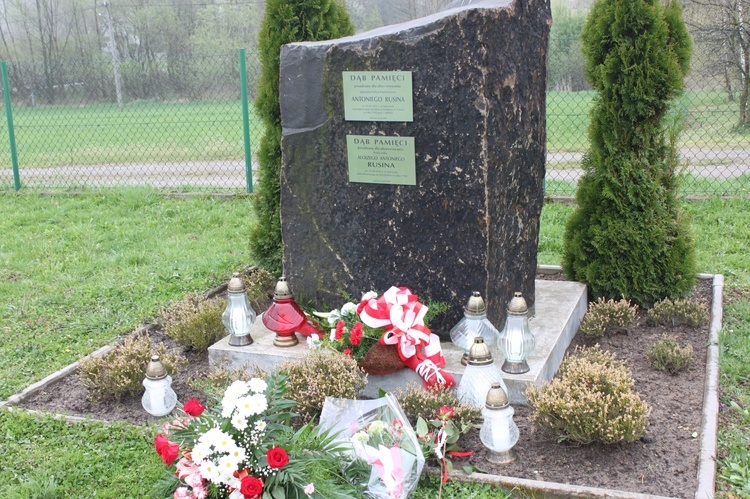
(663, 462)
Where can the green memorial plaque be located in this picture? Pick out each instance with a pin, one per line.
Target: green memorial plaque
(378, 96)
(376, 159)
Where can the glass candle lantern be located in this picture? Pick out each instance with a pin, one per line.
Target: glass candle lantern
(474, 323)
(159, 399)
(239, 316)
(285, 318)
(499, 432)
(479, 375)
(516, 341)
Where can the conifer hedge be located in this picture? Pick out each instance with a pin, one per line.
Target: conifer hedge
(628, 236)
(285, 21)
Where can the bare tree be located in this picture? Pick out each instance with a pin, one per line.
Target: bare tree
(724, 26)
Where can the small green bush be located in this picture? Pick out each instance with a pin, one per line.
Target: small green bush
(668, 355)
(120, 373)
(195, 322)
(591, 400)
(420, 403)
(672, 313)
(324, 373)
(607, 315)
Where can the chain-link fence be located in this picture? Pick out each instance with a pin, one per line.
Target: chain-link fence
(714, 148)
(179, 124)
(176, 124)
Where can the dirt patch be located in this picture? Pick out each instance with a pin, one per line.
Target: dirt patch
(663, 462)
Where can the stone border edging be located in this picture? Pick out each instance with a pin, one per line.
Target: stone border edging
(710, 410)
(710, 423)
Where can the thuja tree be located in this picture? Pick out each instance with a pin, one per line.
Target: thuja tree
(627, 236)
(285, 21)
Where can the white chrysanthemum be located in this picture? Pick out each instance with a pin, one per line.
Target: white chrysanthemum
(332, 336)
(257, 385)
(252, 404)
(227, 465)
(370, 295)
(348, 308)
(239, 422)
(228, 405)
(361, 436)
(210, 436)
(200, 452)
(260, 425)
(237, 389)
(209, 470)
(377, 426)
(237, 454)
(224, 443)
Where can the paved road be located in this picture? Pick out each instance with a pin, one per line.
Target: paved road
(701, 163)
(230, 174)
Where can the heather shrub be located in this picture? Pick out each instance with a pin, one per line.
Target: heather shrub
(120, 373)
(591, 400)
(420, 403)
(671, 313)
(324, 373)
(195, 322)
(259, 285)
(607, 315)
(668, 355)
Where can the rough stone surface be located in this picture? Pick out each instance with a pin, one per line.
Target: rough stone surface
(472, 221)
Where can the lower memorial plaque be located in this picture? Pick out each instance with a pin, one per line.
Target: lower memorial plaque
(377, 159)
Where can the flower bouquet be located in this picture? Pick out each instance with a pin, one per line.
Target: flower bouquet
(396, 318)
(384, 456)
(248, 450)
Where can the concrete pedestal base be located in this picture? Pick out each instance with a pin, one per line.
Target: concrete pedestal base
(559, 308)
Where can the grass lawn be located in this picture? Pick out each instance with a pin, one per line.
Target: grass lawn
(143, 132)
(154, 131)
(78, 271)
(709, 121)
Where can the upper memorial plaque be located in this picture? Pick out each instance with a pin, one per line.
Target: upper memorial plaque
(378, 96)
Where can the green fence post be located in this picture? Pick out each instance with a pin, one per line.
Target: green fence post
(11, 134)
(246, 123)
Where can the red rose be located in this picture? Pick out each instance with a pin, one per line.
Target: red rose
(167, 450)
(340, 330)
(355, 337)
(348, 352)
(251, 487)
(193, 407)
(445, 413)
(277, 457)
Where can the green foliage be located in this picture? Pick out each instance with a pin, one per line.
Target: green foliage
(565, 64)
(591, 400)
(322, 374)
(120, 373)
(681, 311)
(285, 21)
(668, 355)
(259, 285)
(195, 322)
(607, 315)
(417, 402)
(628, 236)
